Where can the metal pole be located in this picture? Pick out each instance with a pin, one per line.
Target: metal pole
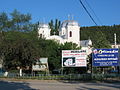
(92, 65)
(119, 61)
(115, 47)
(115, 40)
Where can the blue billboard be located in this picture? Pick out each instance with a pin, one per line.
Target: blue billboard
(105, 57)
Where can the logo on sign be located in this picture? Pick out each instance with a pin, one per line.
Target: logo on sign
(95, 51)
(69, 62)
(104, 51)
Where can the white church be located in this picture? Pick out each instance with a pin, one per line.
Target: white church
(69, 31)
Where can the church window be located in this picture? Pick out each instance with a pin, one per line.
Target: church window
(70, 33)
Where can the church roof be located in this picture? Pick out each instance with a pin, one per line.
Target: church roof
(69, 23)
(85, 43)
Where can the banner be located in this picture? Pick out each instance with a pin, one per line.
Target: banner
(105, 57)
(74, 58)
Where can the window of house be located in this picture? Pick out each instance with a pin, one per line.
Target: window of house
(70, 33)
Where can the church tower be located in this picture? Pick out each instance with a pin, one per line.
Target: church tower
(70, 30)
(43, 30)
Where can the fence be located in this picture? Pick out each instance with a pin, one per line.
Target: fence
(79, 77)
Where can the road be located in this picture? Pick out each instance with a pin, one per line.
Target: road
(55, 85)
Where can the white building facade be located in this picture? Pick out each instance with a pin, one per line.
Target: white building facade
(69, 31)
(43, 30)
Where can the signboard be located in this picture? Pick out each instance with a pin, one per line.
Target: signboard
(74, 58)
(105, 57)
(43, 60)
(41, 65)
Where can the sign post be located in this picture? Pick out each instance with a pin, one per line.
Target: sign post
(119, 62)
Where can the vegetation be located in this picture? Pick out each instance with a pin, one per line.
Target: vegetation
(101, 36)
(54, 27)
(20, 45)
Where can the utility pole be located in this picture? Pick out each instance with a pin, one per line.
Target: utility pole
(115, 40)
(114, 46)
(115, 43)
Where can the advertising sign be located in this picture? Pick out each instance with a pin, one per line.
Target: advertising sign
(41, 65)
(105, 57)
(74, 58)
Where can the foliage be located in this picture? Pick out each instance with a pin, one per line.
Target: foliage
(54, 27)
(16, 21)
(108, 32)
(98, 36)
(18, 51)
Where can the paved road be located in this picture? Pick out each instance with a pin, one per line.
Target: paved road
(55, 85)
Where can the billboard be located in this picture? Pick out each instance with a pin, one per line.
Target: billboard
(105, 57)
(41, 65)
(74, 58)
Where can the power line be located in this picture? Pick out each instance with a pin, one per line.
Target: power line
(93, 12)
(88, 12)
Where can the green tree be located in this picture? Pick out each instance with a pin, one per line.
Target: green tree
(3, 21)
(51, 24)
(18, 51)
(57, 26)
(98, 37)
(20, 21)
(70, 46)
(54, 27)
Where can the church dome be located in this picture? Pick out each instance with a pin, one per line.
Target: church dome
(69, 23)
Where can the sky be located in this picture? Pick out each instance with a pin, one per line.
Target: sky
(107, 12)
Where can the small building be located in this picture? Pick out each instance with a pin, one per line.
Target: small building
(86, 45)
(115, 46)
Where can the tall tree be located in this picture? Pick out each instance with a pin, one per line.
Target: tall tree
(51, 24)
(20, 21)
(18, 51)
(3, 21)
(57, 26)
(54, 27)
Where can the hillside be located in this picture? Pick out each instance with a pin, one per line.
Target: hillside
(96, 33)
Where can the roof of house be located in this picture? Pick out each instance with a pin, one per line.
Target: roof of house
(85, 43)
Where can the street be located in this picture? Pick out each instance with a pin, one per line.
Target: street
(55, 85)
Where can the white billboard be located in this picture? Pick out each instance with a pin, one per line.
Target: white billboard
(41, 65)
(74, 58)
